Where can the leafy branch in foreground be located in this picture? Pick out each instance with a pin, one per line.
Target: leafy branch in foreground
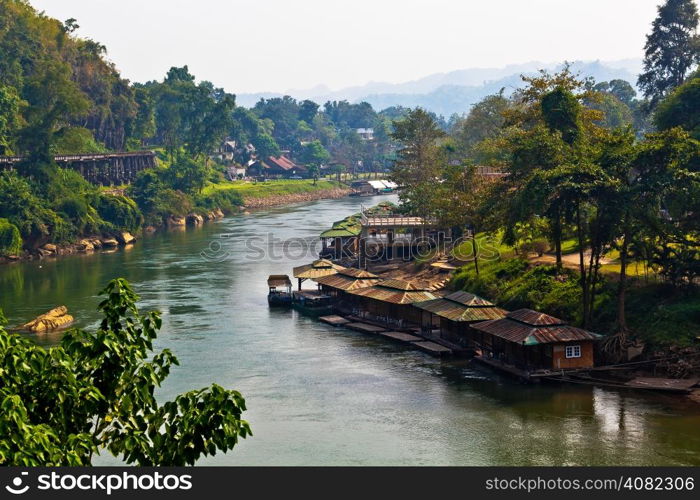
(95, 391)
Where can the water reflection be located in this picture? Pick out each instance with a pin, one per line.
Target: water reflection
(320, 395)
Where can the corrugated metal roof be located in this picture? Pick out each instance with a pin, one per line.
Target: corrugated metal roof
(463, 306)
(316, 269)
(395, 292)
(343, 282)
(468, 299)
(545, 329)
(534, 318)
(397, 284)
(357, 273)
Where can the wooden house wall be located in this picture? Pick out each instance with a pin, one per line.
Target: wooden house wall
(559, 359)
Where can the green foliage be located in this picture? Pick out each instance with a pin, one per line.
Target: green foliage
(659, 314)
(681, 109)
(186, 174)
(76, 140)
(10, 239)
(561, 112)
(145, 189)
(96, 391)
(483, 123)
(671, 50)
(314, 154)
(25, 210)
(420, 160)
(10, 117)
(119, 211)
(227, 200)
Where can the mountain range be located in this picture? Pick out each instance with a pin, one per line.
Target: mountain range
(454, 91)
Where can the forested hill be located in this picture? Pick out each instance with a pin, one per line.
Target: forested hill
(53, 82)
(456, 91)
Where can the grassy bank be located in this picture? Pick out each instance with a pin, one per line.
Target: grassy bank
(249, 190)
(658, 314)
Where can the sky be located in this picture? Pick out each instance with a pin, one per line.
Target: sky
(281, 45)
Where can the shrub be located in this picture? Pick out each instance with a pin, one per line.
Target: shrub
(10, 239)
(25, 210)
(227, 200)
(145, 188)
(172, 202)
(120, 212)
(540, 246)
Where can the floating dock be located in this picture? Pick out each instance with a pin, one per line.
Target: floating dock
(364, 327)
(433, 348)
(334, 320)
(663, 384)
(401, 337)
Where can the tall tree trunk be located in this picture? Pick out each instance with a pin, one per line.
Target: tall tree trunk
(622, 285)
(582, 265)
(476, 253)
(557, 237)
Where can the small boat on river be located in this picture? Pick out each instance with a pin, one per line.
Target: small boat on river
(280, 290)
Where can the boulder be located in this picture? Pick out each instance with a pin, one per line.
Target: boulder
(218, 213)
(195, 219)
(150, 229)
(49, 247)
(210, 216)
(176, 220)
(109, 242)
(52, 320)
(85, 246)
(125, 238)
(96, 243)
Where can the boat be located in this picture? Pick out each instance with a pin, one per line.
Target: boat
(280, 290)
(312, 303)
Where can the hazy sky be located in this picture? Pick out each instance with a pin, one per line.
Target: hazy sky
(277, 45)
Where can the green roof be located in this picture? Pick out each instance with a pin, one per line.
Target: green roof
(339, 233)
(350, 225)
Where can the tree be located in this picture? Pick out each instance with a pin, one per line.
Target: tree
(96, 391)
(419, 161)
(53, 100)
(10, 118)
(671, 50)
(681, 109)
(484, 121)
(314, 155)
(187, 174)
(307, 111)
(459, 204)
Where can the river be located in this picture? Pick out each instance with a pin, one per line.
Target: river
(318, 395)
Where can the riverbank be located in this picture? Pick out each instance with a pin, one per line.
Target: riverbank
(352, 398)
(281, 192)
(255, 195)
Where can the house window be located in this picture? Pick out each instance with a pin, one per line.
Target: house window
(573, 351)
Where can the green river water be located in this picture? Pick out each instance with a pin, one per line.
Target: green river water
(318, 395)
